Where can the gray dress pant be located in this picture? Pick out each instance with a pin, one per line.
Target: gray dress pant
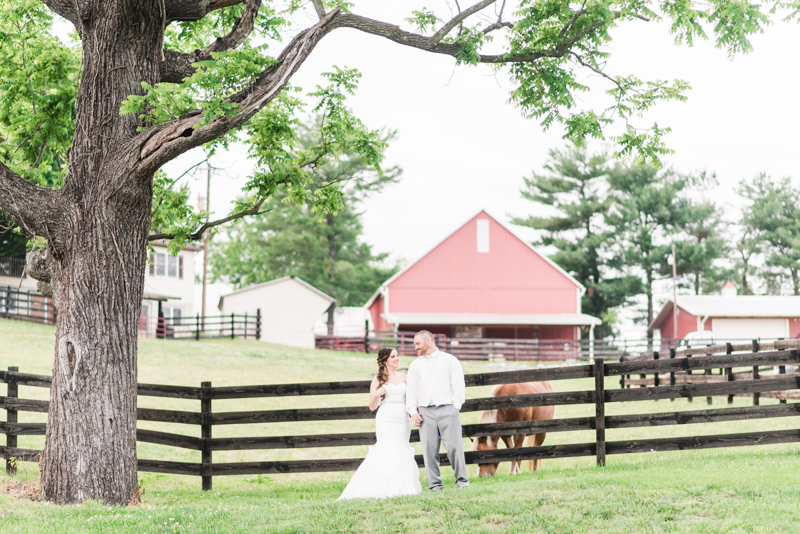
(441, 424)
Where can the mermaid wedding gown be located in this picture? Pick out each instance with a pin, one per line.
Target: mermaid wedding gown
(389, 470)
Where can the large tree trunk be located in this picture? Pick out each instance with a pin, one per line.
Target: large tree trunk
(90, 450)
(97, 266)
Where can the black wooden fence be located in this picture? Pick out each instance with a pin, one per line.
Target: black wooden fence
(26, 305)
(33, 306)
(210, 326)
(778, 353)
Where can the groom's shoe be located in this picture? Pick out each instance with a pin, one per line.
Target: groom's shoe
(435, 489)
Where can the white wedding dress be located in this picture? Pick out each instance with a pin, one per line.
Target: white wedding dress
(389, 470)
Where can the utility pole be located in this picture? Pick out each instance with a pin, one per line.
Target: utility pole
(674, 295)
(205, 240)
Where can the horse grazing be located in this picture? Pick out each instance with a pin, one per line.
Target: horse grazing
(535, 413)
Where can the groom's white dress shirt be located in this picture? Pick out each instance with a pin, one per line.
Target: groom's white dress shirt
(434, 380)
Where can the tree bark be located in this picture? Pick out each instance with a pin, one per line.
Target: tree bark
(97, 268)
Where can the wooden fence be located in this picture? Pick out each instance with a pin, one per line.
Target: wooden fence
(778, 353)
(33, 306)
(491, 349)
(210, 326)
(27, 305)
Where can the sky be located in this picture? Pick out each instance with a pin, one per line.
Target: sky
(464, 148)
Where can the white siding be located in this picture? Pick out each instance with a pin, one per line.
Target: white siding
(182, 287)
(288, 311)
(752, 328)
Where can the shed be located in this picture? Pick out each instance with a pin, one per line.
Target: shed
(483, 281)
(731, 317)
(289, 307)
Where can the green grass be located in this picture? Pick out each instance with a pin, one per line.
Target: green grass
(752, 489)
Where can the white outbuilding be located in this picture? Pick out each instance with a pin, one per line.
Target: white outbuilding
(289, 307)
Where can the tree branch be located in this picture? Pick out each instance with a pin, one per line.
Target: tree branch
(37, 210)
(253, 210)
(455, 21)
(319, 8)
(160, 144)
(177, 65)
(189, 10)
(413, 40)
(65, 8)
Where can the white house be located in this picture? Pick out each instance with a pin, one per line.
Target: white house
(168, 283)
(289, 307)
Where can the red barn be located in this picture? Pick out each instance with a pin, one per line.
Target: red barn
(732, 317)
(482, 281)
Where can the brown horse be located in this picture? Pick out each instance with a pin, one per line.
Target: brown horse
(536, 413)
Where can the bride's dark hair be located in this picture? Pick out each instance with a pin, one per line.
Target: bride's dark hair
(383, 371)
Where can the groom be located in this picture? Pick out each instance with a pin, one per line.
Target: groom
(434, 397)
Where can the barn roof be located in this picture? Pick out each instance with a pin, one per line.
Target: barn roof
(278, 281)
(495, 219)
(563, 319)
(754, 306)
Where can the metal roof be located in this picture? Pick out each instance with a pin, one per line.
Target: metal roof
(560, 319)
(734, 306)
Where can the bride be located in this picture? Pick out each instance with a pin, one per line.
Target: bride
(389, 470)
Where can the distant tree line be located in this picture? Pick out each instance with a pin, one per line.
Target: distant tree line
(612, 226)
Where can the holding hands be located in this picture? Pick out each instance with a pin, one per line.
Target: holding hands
(416, 419)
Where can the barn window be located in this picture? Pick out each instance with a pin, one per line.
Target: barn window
(483, 235)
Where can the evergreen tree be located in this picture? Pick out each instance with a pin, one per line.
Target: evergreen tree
(773, 214)
(647, 209)
(698, 239)
(576, 187)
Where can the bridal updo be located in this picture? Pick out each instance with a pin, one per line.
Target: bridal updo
(383, 370)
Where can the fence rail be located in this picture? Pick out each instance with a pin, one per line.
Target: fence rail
(33, 306)
(210, 326)
(14, 267)
(778, 354)
(26, 305)
(539, 350)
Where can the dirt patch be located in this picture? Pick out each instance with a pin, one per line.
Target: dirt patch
(21, 490)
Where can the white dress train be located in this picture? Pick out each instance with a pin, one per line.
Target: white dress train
(389, 470)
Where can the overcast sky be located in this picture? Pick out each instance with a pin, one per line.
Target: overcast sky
(463, 148)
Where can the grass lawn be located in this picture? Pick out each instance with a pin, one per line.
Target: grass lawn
(751, 489)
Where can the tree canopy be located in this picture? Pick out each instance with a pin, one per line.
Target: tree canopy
(154, 79)
(323, 249)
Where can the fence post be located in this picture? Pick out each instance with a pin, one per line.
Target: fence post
(782, 371)
(258, 323)
(600, 410)
(689, 397)
(232, 325)
(197, 328)
(622, 376)
(756, 396)
(205, 429)
(245, 325)
(656, 380)
(729, 370)
(672, 373)
(709, 400)
(11, 417)
(366, 337)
